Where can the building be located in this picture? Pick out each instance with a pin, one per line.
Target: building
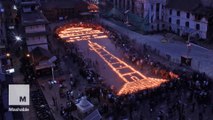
(183, 17)
(189, 18)
(151, 11)
(10, 10)
(34, 25)
(3, 42)
(63, 9)
(36, 33)
(2, 27)
(2, 36)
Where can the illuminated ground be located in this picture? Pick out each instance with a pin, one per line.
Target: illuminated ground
(117, 73)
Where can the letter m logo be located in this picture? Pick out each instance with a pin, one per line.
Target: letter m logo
(19, 94)
(22, 99)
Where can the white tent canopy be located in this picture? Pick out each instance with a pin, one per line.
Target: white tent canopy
(84, 105)
(95, 115)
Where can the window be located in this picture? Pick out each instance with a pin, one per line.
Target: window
(163, 25)
(170, 20)
(128, 5)
(187, 24)
(157, 17)
(170, 28)
(170, 11)
(178, 22)
(187, 15)
(197, 26)
(158, 27)
(157, 7)
(152, 19)
(178, 31)
(133, 6)
(178, 13)
(115, 4)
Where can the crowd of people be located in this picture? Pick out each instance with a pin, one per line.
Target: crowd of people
(186, 95)
(40, 105)
(27, 70)
(196, 85)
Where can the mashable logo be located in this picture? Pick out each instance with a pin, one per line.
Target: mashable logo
(19, 95)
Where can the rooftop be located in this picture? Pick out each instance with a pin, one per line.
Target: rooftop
(184, 5)
(193, 6)
(33, 18)
(63, 4)
(29, 3)
(36, 34)
(204, 11)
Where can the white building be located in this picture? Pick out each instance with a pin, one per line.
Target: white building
(191, 18)
(35, 26)
(183, 17)
(152, 10)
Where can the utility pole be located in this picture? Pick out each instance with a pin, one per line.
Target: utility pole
(53, 76)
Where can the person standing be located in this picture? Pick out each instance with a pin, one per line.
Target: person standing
(54, 102)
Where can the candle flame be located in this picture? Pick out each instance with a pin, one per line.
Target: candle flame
(133, 80)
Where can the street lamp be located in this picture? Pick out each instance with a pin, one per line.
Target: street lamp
(9, 59)
(14, 7)
(28, 55)
(52, 69)
(7, 54)
(18, 38)
(53, 81)
(189, 44)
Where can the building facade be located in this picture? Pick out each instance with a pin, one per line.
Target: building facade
(191, 19)
(10, 10)
(151, 10)
(63, 9)
(182, 17)
(2, 27)
(2, 36)
(34, 25)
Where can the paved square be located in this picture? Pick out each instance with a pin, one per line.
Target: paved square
(117, 73)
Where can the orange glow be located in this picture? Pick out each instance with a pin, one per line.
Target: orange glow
(28, 55)
(134, 80)
(74, 34)
(172, 75)
(8, 54)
